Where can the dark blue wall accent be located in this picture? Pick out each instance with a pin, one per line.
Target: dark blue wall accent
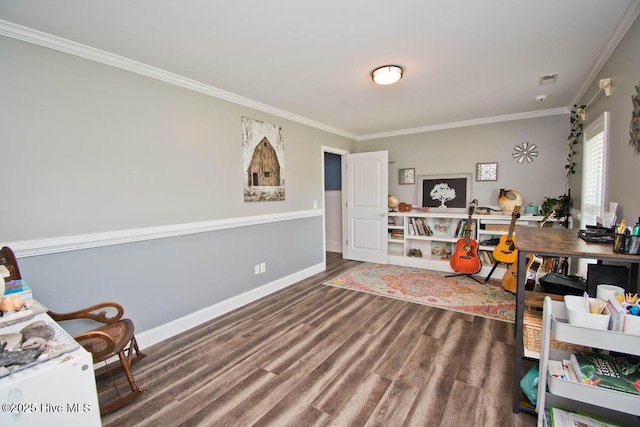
(332, 172)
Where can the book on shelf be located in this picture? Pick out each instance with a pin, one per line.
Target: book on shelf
(486, 257)
(414, 228)
(458, 227)
(411, 228)
(428, 227)
(563, 418)
(461, 229)
(558, 265)
(397, 234)
(619, 373)
(420, 227)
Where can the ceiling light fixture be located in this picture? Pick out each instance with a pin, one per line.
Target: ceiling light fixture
(387, 74)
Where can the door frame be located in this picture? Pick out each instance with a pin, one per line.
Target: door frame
(340, 152)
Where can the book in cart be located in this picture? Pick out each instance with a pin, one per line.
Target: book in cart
(564, 418)
(619, 373)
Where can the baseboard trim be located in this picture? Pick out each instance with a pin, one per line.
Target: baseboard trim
(155, 335)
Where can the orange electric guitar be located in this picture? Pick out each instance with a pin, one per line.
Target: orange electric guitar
(465, 258)
(505, 251)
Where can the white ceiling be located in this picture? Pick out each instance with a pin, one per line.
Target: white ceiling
(465, 61)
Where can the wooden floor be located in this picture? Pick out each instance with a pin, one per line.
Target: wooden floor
(315, 355)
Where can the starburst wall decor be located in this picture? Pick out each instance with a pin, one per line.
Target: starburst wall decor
(525, 152)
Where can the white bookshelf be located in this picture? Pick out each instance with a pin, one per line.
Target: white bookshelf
(483, 228)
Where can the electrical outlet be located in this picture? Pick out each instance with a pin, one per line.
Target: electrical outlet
(256, 269)
(315, 204)
(263, 267)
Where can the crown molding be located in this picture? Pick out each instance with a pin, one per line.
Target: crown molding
(32, 36)
(623, 26)
(465, 123)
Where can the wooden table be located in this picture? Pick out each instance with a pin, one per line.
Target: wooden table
(554, 242)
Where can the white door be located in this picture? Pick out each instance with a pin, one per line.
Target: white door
(366, 185)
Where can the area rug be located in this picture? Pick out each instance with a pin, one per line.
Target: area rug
(461, 294)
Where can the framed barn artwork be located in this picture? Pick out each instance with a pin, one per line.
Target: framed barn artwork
(263, 161)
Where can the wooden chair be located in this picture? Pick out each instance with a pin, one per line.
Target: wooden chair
(8, 259)
(113, 339)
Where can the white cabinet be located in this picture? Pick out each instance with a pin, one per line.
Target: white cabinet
(445, 227)
(433, 247)
(616, 406)
(58, 392)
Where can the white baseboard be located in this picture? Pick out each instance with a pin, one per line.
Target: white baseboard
(160, 333)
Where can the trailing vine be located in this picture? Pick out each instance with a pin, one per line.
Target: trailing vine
(634, 128)
(574, 138)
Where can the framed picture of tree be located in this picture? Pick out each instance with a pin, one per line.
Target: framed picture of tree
(451, 192)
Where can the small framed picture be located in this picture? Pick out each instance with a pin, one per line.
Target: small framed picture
(407, 176)
(486, 171)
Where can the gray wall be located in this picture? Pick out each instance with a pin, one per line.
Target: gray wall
(623, 166)
(94, 148)
(458, 150)
(90, 148)
(165, 279)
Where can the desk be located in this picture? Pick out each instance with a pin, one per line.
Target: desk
(58, 392)
(554, 242)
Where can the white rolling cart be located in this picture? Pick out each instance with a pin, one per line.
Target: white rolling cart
(623, 408)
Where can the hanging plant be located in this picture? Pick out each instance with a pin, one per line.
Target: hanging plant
(558, 207)
(574, 138)
(634, 128)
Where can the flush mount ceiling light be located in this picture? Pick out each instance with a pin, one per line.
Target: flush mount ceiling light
(387, 74)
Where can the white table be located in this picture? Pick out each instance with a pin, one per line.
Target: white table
(59, 391)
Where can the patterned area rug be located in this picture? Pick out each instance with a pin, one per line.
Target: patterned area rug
(428, 287)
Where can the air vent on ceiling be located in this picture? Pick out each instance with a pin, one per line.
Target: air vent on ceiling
(548, 79)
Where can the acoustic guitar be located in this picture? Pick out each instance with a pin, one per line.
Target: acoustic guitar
(505, 251)
(510, 278)
(534, 262)
(465, 258)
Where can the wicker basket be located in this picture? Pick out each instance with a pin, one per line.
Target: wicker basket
(532, 334)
